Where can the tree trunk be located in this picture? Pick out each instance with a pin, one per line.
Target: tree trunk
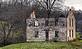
(47, 35)
(47, 25)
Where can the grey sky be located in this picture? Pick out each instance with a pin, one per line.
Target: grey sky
(77, 4)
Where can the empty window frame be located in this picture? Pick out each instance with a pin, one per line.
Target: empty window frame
(36, 23)
(69, 33)
(56, 33)
(36, 34)
(72, 22)
(69, 22)
(72, 33)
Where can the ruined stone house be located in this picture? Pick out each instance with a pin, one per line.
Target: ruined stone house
(63, 30)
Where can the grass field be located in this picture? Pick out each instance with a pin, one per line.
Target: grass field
(44, 45)
(80, 40)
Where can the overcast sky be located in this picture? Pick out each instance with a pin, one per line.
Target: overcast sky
(75, 3)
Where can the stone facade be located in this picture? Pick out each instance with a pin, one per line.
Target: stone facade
(71, 29)
(37, 28)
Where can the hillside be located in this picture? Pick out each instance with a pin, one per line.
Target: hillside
(43, 45)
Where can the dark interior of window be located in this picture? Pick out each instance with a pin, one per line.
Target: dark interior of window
(36, 34)
(56, 33)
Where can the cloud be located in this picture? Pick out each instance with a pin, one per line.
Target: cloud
(77, 4)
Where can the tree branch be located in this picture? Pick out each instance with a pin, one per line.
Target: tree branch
(41, 4)
(52, 4)
(9, 30)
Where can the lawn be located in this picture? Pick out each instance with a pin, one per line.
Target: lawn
(43, 45)
(81, 41)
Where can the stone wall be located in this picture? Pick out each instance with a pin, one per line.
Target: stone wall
(61, 27)
(71, 27)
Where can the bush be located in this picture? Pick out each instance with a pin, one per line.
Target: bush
(78, 35)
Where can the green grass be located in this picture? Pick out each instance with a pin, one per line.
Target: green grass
(80, 40)
(42, 45)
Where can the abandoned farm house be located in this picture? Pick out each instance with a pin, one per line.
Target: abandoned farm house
(39, 30)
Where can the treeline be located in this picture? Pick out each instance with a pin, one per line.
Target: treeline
(13, 17)
(13, 23)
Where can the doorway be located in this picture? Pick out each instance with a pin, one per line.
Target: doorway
(47, 35)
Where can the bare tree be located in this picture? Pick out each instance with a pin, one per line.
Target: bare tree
(14, 20)
(49, 7)
(6, 29)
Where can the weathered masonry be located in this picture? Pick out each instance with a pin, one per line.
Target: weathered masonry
(63, 30)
